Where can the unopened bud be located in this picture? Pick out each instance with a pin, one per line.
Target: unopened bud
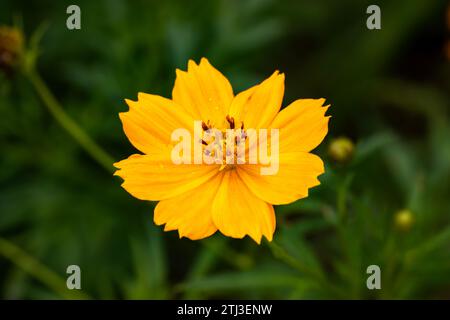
(404, 219)
(341, 149)
(11, 48)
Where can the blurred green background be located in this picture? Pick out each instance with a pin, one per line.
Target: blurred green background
(389, 91)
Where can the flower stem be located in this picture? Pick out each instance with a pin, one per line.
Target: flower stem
(281, 254)
(342, 195)
(35, 268)
(55, 108)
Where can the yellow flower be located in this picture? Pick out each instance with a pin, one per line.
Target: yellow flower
(199, 199)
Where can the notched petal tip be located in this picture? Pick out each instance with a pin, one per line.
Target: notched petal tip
(277, 76)
(116, 165)
(182, 233)
(258, 241)
(191, 65)
(123, 115)
(273, 76)
(117, 172)
(121, 163)
(204, 63)
(179, 72)
(130, 103)
(268, 239)
(167, 227)
(143, 96)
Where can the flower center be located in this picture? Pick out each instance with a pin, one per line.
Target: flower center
(225, 146)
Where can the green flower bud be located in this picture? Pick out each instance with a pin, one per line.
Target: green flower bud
(341, 149)
(404, 219)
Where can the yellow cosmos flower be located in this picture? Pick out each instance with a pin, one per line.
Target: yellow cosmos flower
(199, 199)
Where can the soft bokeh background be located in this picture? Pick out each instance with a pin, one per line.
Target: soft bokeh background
(389, 91)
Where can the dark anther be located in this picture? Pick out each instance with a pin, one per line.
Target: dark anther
(204, 142)
(204, 126)
(230, 121)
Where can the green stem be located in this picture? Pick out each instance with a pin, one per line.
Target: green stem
(33, 267)
(413, 255)
(16, 254)
(342, 197)
(67, 123)
(281, 254)
(222, 250)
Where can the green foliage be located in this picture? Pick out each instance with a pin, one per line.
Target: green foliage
(389, 91)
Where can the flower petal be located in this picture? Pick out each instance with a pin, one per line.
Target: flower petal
(302, 124)
(238, 212)
(190, 212)
(203, 92)
(155, 177)
(151, 120)
(258, 106)
(297, 173)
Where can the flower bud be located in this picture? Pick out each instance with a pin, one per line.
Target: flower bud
(341, 149)
(11, 48)
(404, 219)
